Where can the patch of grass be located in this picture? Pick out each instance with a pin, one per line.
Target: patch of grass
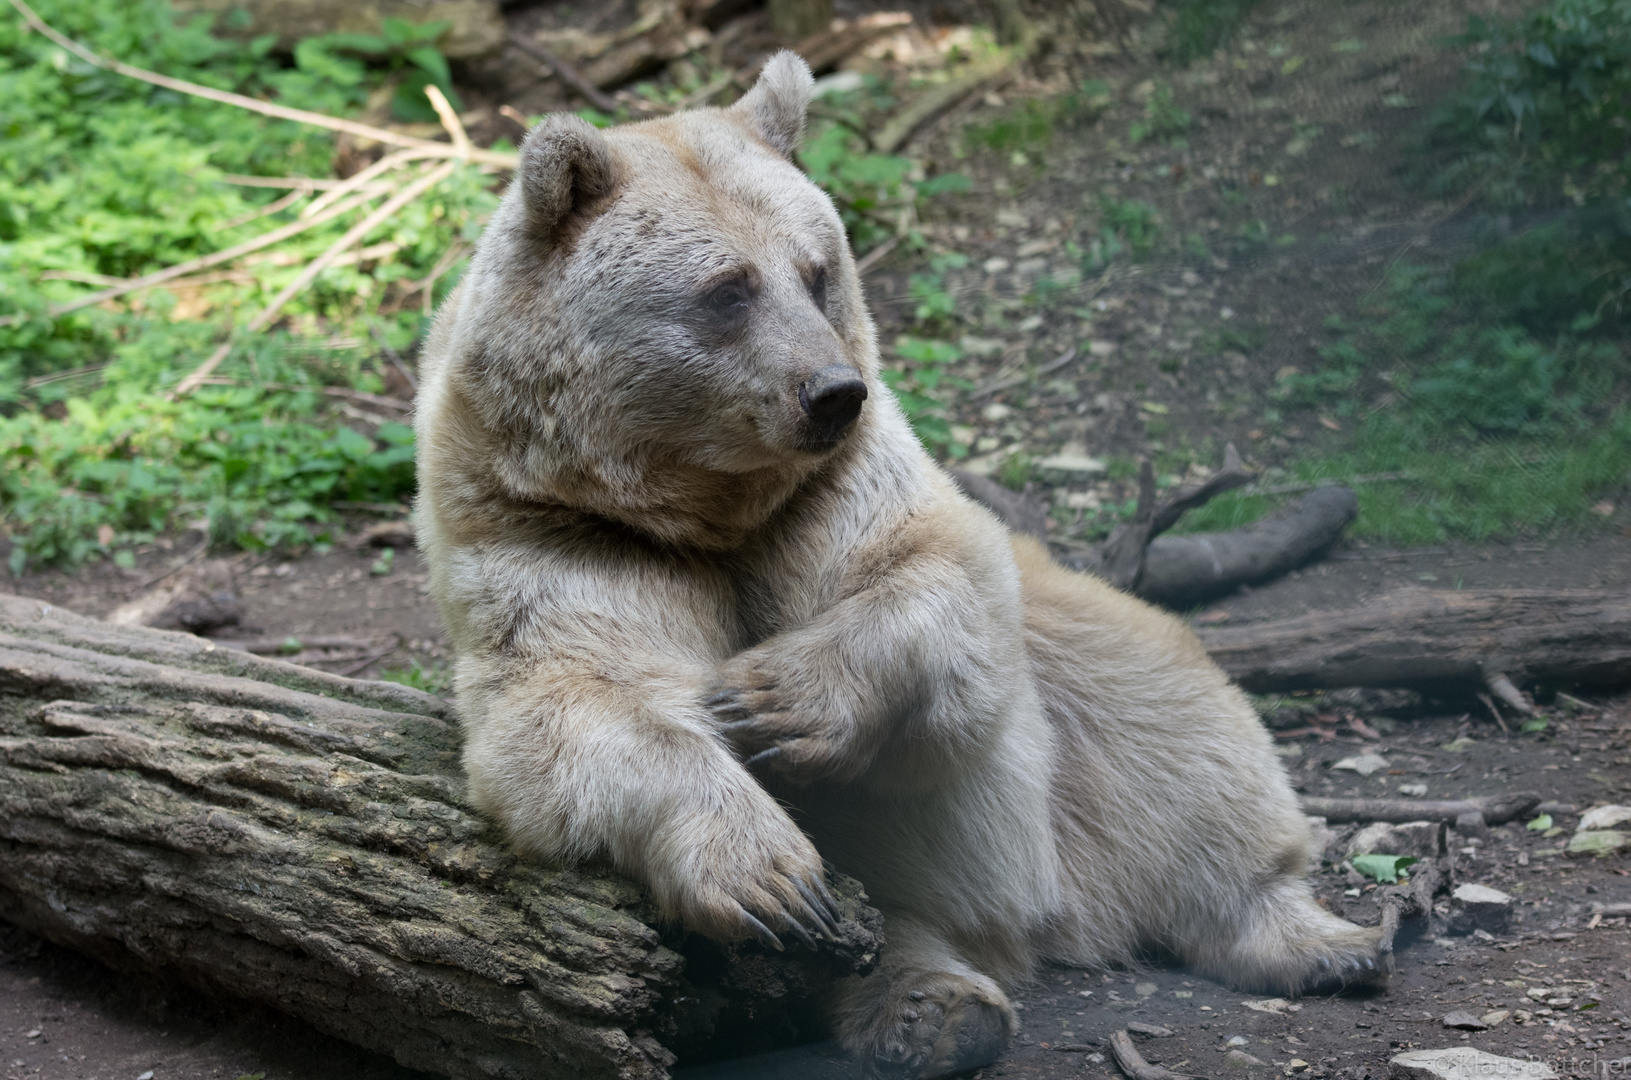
(920, 384)
(1030, 124)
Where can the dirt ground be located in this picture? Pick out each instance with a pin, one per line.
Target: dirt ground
(1294, 176)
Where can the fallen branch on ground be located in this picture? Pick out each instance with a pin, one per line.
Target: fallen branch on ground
(1412, 899)
(275, 833)
(1495, 809)
(1437, 640)
(1133, 1064)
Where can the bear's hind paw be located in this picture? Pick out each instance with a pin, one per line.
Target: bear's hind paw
(946, 1025)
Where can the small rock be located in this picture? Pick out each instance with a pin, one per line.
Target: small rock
(1239, 1059)
(1072, 463)
(33, 1034)
(1154, 1031)
(1598, 842)
(148, 1075)
(1479, 907)
(1603, 817)
(1272, 1005)
(1364, 765)
(1296, 1065)
(1464, 1021)
(1095, 1058)
(1145, 989)
(1235, 1040)
(1465, 1063)
(1415, 791)
(1490, 1019)
(1423, 839)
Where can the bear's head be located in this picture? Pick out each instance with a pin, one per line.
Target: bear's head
(663, 324)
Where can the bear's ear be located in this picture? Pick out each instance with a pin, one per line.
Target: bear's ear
(776, 105)
(565, 164)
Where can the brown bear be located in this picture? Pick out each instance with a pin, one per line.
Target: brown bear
(703, 582)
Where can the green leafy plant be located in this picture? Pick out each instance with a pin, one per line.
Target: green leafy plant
(1197, 27)
(918, 383)
(1163, 120)
(102, 176)
(1386, 869)
(407, 51)
(435, 679)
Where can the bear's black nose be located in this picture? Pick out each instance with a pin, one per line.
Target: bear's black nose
(832, 398)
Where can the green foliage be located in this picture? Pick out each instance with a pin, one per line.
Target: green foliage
(407, 51)
(1127, 226)
(1548, 96)
(1386, 869)
(101, 175)
(919, 384)
(935, 303)
(435, 679)
(1197, 27)
(247, 462)
(1031, 124)
(1163, 120)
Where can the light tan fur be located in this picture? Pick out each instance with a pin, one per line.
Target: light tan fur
(652, 570)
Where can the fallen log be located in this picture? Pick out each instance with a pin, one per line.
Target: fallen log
(302, 840)
(1494, 809)
(1437, 640)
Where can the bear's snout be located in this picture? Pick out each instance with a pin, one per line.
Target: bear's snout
(832, 399)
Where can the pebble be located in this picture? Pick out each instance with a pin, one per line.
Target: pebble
(1464, 1020)
(1236, 1040)
(1239, 1059)
(1145, 989)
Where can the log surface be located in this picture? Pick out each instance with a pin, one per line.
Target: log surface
(1429, 638)
(303, 840)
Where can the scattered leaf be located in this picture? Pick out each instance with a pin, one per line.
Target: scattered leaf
(1383, 868)
(1542, 823)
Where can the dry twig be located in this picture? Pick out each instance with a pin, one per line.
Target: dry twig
(1133, 1064)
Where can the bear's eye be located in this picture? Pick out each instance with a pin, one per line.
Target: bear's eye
(729, 300)
(818, 289)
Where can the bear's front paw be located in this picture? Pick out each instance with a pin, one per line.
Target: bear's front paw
(758, 715)
(942, 1024)
(750, 879)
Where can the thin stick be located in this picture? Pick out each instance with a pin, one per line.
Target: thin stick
(565, 72)
(268, 210)
(280, 182)
(352, 236)
(395, 357)
(1493, 711)
(282, 112)
(875, 256)
(203, 262)
(1132, 1062)
(450, 119)
(359, 180)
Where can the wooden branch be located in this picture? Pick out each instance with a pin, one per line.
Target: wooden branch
(926, 106)
(1181, 571)
(1133, 1064)
(1412, 899)
(1122, 557)
(1437, 639)
(280, 834)
(1495, 809)
(1232, 475)
(265, 108)
(568, 74)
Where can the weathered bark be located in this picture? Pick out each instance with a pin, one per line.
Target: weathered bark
(1436, 640)
(304, 841)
